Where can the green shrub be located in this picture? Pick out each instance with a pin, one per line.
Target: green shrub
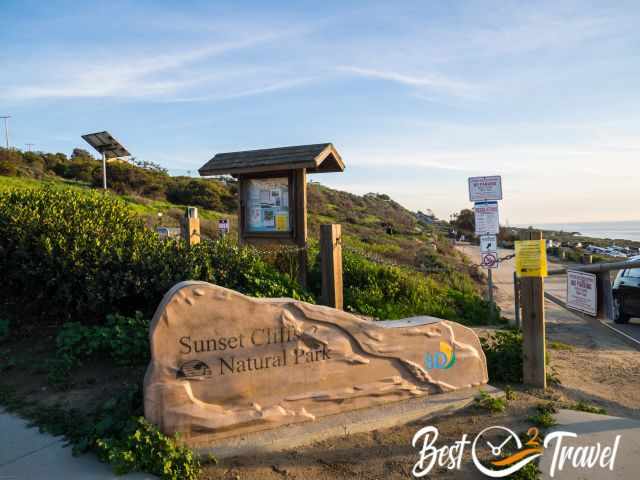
(491, 404)
(125, 178)
(81, 256)
(503, 350)
(209, 194)
(146, 449)
(544, 416)
(123, 339)
(389, 292)
(586, 407)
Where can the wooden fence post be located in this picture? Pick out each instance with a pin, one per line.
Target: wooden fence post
(533, 328)
(191, 226)
(331, 263)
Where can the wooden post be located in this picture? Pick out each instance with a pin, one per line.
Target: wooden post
(191, 227)
(605, 295)
(300, 211)
(331, 263)
(533, 334)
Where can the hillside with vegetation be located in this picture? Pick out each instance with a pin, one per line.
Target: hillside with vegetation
(83, 273)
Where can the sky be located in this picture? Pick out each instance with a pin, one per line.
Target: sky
(415, 95)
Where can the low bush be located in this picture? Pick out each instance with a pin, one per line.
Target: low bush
(503, 350)
(143, 448)
(587, 407)
(209, 194)
(80, 256)
(122, 339)
(485, 401)
(544, 416)
(389, 292)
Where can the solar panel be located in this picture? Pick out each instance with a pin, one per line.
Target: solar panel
(103, 142)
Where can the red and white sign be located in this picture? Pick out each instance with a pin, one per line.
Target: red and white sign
(489, 260)
(582, 292)
(487, 218)
(485, 188)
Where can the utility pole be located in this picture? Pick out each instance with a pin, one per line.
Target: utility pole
(29, 145)
(6, 129)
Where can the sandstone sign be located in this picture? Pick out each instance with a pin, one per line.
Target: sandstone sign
(223, 364)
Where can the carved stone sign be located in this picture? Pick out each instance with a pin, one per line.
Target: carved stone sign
(223, 364)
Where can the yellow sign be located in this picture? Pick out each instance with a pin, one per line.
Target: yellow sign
(282, 222)
(531, 258)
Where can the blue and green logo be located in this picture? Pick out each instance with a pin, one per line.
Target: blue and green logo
(443, 359)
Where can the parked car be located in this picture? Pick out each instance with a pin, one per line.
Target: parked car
(626, 294)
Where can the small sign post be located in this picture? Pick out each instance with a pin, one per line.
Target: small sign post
(485, 193)
(582, 292)
(223, 226)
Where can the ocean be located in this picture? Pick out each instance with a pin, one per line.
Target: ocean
(629, 230)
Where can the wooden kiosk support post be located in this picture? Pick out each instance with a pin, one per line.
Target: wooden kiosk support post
(533, 328)
(191, 226)
(331, 258)
(273, 193)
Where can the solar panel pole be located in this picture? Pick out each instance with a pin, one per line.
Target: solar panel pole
(6, 128)
(104, 170)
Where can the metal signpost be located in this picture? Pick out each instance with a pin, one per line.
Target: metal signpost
(485, 193)
(108, 147)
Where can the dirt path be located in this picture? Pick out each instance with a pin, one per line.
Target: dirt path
(599, 368)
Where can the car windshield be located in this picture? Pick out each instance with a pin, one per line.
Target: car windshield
(632, 272)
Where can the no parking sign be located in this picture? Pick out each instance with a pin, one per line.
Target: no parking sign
(489, 251)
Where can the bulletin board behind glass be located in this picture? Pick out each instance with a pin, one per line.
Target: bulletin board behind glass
(267, 205)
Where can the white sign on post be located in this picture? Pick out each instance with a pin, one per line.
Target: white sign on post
(489, 251)
(485, 188)
(582, 292)
(223, 226)
(487, 218)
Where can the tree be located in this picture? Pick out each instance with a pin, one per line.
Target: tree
(465, 221)
(80, 153)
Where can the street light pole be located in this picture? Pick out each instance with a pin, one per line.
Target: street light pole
(6, 129)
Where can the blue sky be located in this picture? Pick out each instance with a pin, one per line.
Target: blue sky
(416, 95)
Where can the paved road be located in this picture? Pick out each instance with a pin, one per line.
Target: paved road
(556, 285)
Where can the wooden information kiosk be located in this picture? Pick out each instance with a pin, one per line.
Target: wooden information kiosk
(273, 192)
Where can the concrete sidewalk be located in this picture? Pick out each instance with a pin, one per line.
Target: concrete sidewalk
(27, 454)
(592, 429)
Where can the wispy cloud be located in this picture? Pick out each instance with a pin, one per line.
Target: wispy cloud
(138, 76)
(430, 81)
(270, 87)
